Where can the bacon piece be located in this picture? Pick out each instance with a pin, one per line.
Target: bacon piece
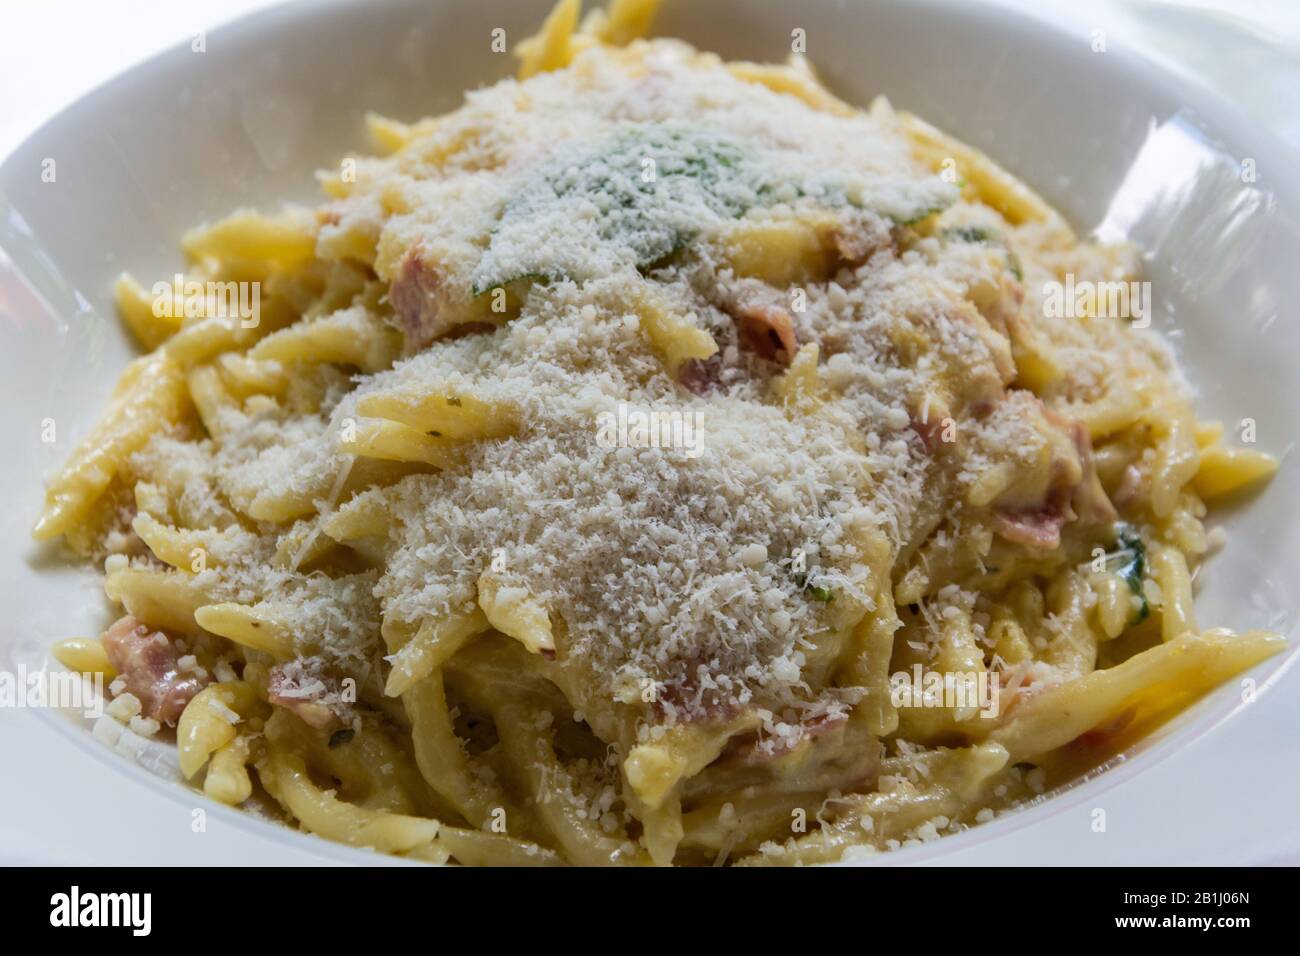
(1090, 500)
(148, 662)
(767, 331)
(690, 695)
(701, 376)
(929, 430)
(419, 298)
(1038, 528)
(930, 433)
(1073, 492)
(299, 691)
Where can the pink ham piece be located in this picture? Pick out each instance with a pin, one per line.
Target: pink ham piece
(700, 376)
(299, 691)
(1039, 528)
(1075, 492)
(148, 662)
(930, 431)
(1090, 500)
(419, 299)
(767, 331)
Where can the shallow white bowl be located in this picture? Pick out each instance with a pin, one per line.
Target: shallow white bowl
(1117, 144)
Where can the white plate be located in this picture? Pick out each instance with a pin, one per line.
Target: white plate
(1114, 142)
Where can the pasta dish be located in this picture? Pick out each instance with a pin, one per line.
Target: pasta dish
(655, 460)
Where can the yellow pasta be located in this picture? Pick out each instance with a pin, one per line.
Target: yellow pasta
(443, 415)
(348, 338)
(283, 241)
(778, 250)
(1169, 570)
(208, 723)
(166, 599)
(286, 777)
(623, 22)
(992, 184)
(227, 780)
(138, 310)
(674, 336)
(552, 47)
(1184, 666)
(655, 461)
(1223, 471)
(432, 645)
(792, 81)
(149, 397)
(393, 441)
(85, 655)
(247, 626)
(515, 612)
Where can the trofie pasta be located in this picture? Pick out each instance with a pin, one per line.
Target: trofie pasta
(655, 460)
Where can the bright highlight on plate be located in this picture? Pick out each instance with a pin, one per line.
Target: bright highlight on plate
(655, 460)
